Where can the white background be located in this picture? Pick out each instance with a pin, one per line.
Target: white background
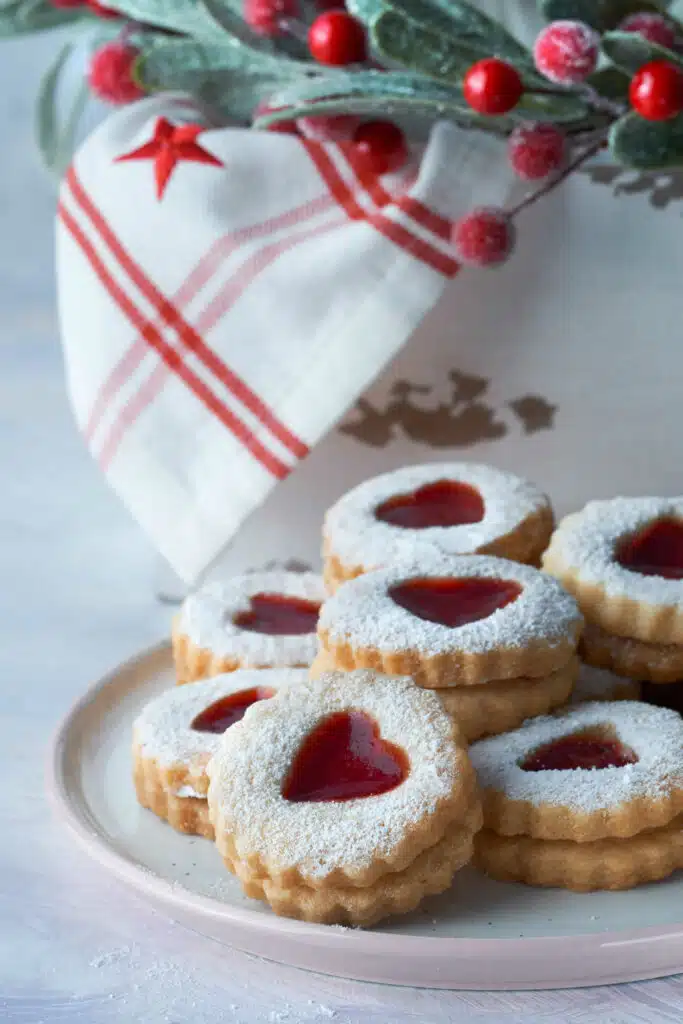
(76, 598)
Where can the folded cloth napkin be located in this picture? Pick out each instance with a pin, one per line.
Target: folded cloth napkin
(225, 295)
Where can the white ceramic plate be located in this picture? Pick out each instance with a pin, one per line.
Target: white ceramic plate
(482, 934)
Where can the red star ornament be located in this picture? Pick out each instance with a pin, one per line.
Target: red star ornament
(171, 144)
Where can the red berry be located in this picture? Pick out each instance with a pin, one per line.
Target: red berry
(536, 150)
(110, 74)
(339, 128)
(492, 87)
(484, 238)
(266, 17)
(101, 11)
(656, 91)
(381, 146)
(337, 38)
(567, 52)
(652, 27)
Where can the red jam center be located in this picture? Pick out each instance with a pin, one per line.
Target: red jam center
(590, 749)
(454, 602)
(656, 550)
(444, 503)
(223, 713)
(279, 615)
(345, 758)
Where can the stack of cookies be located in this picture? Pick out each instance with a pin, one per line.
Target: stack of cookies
(323, 741)
(589, 799)
(623, 561)
(364, 802)
(497, 640)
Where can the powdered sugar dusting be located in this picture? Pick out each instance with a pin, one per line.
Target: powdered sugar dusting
(363, 614)
(655, 734)
(207, 619)
(358, 538)
(255, 756)
(597, 684)
(189, 792)
(584, 544)
(163, 728)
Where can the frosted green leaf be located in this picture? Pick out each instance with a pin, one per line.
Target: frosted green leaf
(600, 14)
(419, 49)
(589, 11)
(648, 145)
(629, 51)
(185, 16)
(47, 132)
(229, 18)
(366, 10)
(464, 25)
(37, 16)
(435, 108)
(186, 63)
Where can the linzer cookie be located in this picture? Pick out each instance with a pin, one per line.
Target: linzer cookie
(259, 620)
(449, 508)
(623, 560)
(344, 799)
(589, 799)
(451, 622)
(177, 733)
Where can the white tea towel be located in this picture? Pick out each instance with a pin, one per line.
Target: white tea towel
(225, 295)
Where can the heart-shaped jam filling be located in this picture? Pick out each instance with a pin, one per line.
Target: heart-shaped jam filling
(454, 602)
(589, 749)
(279, 615)
(444, 503)
(223, 713)
(656, 550)
(345, 758)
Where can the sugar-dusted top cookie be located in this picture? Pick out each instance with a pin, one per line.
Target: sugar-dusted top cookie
(259, 620)
(181, 729)
(339, 780)
(452, 621)
(452, 508)
(623, 559)
(599, 770)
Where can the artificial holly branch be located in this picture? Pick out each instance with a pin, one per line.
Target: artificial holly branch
(602, 73)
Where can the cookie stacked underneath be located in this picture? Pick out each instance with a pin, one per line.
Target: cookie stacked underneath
(353, 814)
(497, 640)
(623, 561)
(589, 799)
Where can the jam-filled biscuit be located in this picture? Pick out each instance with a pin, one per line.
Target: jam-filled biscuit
(325, 798)
(176, 734)
(589, 799)
(451, 621)
(451, 508)
(623, 561)
(259, 620)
